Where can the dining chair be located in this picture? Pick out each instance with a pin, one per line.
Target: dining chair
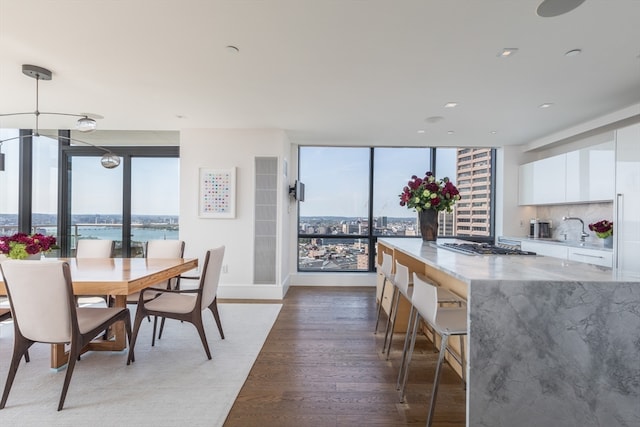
(161, 249)
(185, 304)
(445, 321)
(94, 248)
(44, 310)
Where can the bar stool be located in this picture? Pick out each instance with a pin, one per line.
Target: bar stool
(386, 267)
(404, 286)
(445, 322)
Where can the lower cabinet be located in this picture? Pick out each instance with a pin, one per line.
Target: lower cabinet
(591, 256)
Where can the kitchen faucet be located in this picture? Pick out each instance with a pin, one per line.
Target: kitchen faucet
(583, 234)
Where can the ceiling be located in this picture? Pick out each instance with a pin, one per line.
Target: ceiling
(348, 72)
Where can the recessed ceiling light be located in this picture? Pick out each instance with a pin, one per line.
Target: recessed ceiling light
(573, 52)
(450, 132)
(450, 104)
(434, 119)
(507, 51)
(545, 105)
(493, 132)
(421, 131)
(551, 8)
(232, 49)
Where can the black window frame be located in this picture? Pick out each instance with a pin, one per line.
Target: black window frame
(373, 238)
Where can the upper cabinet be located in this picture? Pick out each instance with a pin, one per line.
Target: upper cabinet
(589, 173)
(578, 176)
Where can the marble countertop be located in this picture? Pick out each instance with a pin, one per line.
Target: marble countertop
(569, 243)
(469, 268)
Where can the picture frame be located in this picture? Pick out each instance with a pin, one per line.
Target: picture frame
(217, 193)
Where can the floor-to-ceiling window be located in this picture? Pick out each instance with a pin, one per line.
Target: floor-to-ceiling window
(352, 198)
(49, 185)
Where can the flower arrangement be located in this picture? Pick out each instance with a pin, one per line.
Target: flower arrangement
(603, 229)
(21, 245)
(429, 193)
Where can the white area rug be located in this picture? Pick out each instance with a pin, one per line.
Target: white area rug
(171, 384)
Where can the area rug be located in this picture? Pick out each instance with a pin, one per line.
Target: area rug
(171, 384)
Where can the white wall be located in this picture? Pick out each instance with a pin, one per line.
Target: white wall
(221, 149)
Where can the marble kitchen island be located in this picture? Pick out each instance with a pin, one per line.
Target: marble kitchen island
(551, 342)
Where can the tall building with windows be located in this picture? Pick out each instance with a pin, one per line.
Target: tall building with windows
(473, 213)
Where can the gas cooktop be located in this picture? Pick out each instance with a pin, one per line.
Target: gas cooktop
(483, 249)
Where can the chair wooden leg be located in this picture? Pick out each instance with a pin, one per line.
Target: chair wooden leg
(134, 335)
(161, 328)
(216, 315)
(153, 336)
(197, 322)
(127, 327)
(21, 347)
(74, 352)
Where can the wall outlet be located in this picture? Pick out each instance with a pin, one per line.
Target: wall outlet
(225, 269)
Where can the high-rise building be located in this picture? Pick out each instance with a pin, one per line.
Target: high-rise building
(472, 213)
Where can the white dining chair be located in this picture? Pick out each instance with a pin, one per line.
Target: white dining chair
(44, 310)
(186, 304)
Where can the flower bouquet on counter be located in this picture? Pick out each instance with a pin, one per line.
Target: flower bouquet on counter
(429, 193)
(21, 245)
(603, 229)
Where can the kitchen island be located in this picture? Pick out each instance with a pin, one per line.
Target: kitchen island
(551, 342)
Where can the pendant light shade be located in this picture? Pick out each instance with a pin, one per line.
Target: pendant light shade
(86, 124)
(110, 160)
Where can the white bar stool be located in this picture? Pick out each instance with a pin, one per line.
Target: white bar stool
(445, 321)
(387, 272)
(404, 286)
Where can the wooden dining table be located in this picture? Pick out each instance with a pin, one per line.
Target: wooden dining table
(118, 277)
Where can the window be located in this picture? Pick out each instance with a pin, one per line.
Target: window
(351, 199)
(9, 183)
(138, 201)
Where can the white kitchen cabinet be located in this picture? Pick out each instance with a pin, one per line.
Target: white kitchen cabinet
(544, 249)
(577, 176)
(591, 256)
(588, 171)
(626, 227)
(543, 181)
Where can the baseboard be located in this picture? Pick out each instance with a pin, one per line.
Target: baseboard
(267, 292)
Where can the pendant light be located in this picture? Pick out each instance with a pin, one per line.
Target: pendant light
(84, 124)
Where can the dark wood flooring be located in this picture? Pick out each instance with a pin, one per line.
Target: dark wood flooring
(321, 365)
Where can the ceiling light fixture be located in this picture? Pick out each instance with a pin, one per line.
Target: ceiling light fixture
(551, 8)
(573, 52)
(507, 52)
(84, 124)
(545, 105)
(450, 105)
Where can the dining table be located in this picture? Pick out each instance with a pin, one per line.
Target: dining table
(117, 277)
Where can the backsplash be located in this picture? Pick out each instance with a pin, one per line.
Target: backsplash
(588, 212)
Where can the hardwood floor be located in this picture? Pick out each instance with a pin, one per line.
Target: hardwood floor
(322, 366)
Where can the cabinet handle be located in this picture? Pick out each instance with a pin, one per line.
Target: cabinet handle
(588, 255)
(619, 206)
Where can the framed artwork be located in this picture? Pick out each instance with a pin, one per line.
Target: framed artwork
(217, 193)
